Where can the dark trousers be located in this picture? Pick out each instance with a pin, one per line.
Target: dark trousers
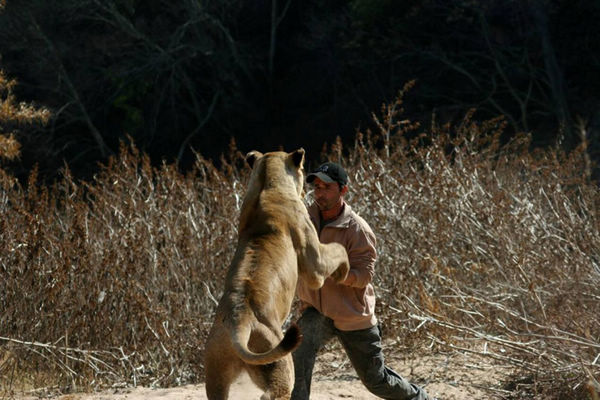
(363, 348)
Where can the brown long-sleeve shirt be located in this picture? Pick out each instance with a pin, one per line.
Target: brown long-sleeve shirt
(350, 304)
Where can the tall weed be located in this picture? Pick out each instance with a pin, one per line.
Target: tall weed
(483, 247)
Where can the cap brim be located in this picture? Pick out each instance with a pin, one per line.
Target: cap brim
(324, 177)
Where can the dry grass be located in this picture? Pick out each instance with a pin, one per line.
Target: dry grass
(491, 244)
(114, 281)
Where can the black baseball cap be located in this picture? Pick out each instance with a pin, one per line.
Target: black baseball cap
(329, 172)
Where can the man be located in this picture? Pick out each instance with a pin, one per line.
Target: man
(345, 310)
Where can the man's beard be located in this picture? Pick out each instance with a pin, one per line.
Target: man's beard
(324, 206)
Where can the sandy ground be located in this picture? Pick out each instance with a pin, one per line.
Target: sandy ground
(446, 376)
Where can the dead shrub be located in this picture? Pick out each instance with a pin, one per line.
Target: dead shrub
(483, 247)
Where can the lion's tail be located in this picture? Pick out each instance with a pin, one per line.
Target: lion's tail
(291, 340)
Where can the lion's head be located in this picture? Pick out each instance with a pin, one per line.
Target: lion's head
(265, 167)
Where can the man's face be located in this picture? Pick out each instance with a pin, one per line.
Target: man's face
(327, 195)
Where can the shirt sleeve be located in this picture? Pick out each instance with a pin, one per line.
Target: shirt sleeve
(362, 256)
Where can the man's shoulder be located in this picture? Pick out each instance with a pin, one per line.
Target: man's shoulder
(358, 222)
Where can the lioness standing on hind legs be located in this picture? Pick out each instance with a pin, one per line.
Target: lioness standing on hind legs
(277, 244)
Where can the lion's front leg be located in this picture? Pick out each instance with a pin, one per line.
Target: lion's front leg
(336, 257)
(321, 261)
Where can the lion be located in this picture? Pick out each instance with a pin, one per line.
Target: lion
(277, 245)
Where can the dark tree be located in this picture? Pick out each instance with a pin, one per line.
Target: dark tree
(193, 74)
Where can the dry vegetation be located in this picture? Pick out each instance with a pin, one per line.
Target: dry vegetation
(483, 248)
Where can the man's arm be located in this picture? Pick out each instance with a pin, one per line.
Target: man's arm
(362, 256)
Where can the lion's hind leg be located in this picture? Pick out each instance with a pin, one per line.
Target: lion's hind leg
(219, 378)
(222, 367)
(275, 379)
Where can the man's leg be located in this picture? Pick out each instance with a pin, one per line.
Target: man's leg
(364, 350)
(316, 330)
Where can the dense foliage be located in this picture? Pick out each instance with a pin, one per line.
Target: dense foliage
(195, 73)
(483, 247)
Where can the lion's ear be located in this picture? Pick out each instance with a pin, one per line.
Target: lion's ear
(252, 156)
(298, 157)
